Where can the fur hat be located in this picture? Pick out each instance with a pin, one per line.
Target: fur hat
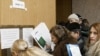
(73, 16)
(74, 27)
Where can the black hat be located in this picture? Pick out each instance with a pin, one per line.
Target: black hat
(74, 26)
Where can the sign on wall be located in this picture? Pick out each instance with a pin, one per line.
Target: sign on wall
(18, 4)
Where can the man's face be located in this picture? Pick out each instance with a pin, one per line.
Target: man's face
(75, 35)
(73, 20)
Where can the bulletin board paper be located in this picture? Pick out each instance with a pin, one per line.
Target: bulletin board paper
(27, 36)
(8, 36)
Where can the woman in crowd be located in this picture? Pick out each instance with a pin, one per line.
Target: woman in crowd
(58, 34)
(93, 45)
(61, 36)
(20, 48)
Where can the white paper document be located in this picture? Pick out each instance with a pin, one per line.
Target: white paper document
(8, 36)
(27, 36)
(41, 35)
(73, 50)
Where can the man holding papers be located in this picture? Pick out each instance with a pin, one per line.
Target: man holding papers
(75, 29)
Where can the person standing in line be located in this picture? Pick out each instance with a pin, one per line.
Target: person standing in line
(93, 44)
(20, 48)
(58, 34)
(84, 29)
(61, 36)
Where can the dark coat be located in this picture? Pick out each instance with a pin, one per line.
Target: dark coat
(60, 49)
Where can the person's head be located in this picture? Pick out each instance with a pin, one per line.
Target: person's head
(94, 33)
(58, 33)
(74, 29)
(20, 48)
(85, 22)
(74, 17)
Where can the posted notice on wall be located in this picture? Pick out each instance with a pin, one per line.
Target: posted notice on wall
(41, 35)
(8, 36)
(27, 36)
(18, 4)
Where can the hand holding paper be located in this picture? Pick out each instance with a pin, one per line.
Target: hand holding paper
(41, 35)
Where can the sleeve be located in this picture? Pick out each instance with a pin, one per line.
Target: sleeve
(58, 51)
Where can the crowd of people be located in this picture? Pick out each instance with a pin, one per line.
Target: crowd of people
(76, 31)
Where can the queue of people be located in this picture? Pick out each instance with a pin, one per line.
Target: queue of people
(76, 31)
(93, 43)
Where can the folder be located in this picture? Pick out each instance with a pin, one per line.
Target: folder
(73, 50)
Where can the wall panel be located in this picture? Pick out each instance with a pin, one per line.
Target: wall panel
(37, 10)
